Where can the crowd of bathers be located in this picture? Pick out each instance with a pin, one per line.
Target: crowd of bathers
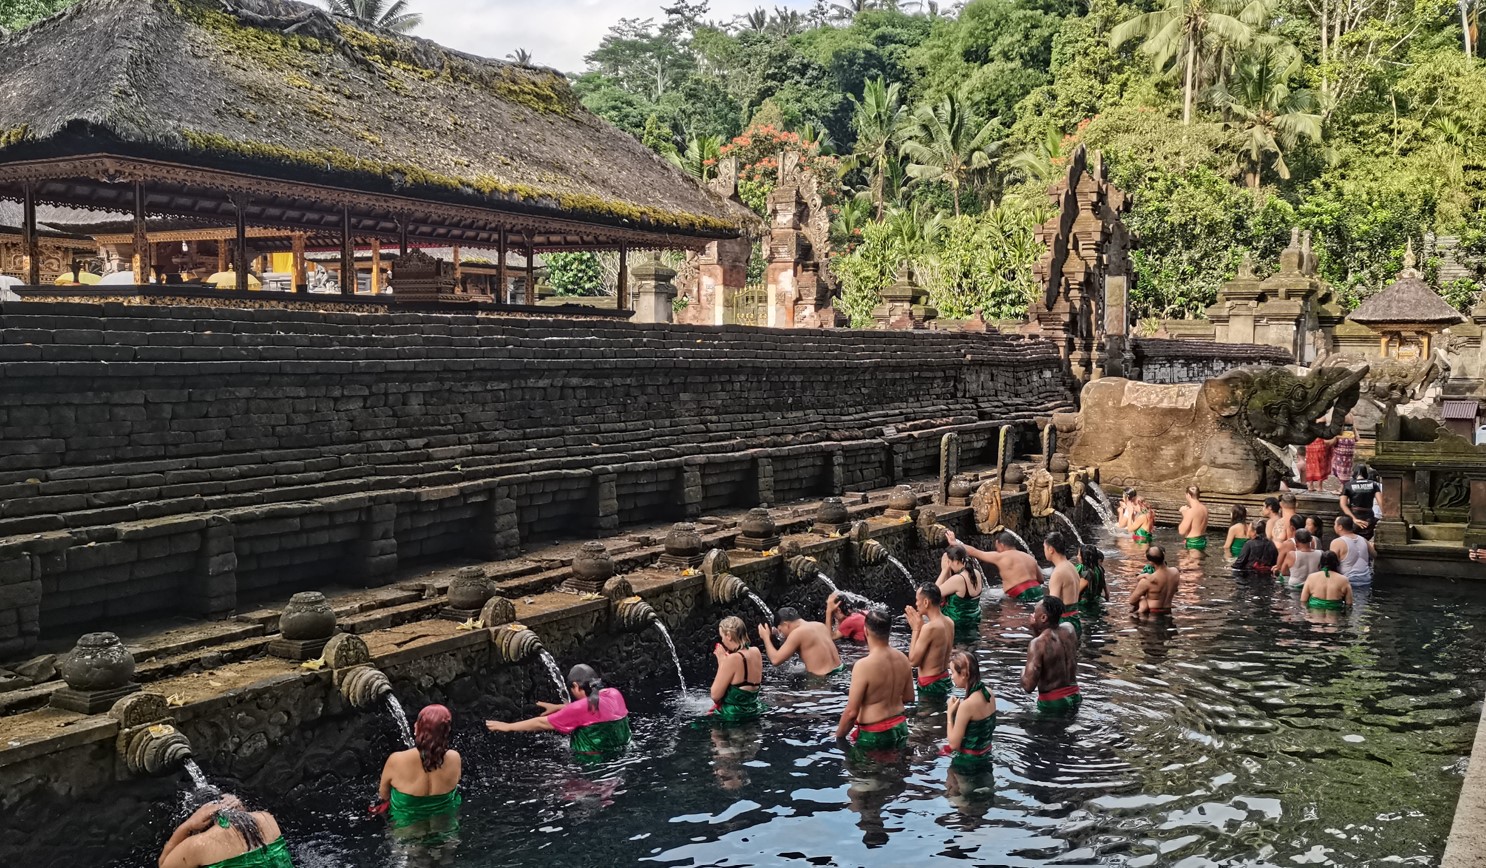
(419, 787)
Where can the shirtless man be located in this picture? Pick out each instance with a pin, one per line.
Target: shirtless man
(1157, 587)
(881, 685)
(1052, 660)
(810, 639)
(932, 642)
(1021, 577)
(1194, 520)
(1282, 528)
(1064, 582)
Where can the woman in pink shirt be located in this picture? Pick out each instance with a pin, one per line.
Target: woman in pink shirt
(596, 721)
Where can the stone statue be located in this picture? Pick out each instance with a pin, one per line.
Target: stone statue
(1040, 493)
(1217, 434)
(986, 504)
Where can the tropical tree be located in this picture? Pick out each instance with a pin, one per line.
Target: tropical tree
(850, 9)
(700, 157)
(520, 56)
(945, 143)
(1185, 31)
(377, 13)
(878, 120)
(1266, 116)
(756, 21)
(1042, 162)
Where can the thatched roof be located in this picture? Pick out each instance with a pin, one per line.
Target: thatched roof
(283, 90)
(1407, 300)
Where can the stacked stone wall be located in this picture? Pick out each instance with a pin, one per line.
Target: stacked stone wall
(1158, 360)
(172, 459)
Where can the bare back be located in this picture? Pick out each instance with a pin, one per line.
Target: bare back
(1053, 659)
(218, 844)
(1194, 520)
(404, 771)
(885, 681)
(936, 641)
(817, 648)
(1016, 567)
(1156, 590)
(1064, 582)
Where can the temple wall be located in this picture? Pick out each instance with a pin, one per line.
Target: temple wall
(178, 459)
(1159, 360)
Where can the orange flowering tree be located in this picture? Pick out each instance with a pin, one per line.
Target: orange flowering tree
(757, 150)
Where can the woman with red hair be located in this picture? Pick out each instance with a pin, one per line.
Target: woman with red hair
(422, 783)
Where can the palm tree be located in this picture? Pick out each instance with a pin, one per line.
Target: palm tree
(756, 21)
(1186, 31)
(944, 143)
(877, 121)
(1042, 162)
(520, 57)
(700, 157)
(1265, 114)
(377, 13)
(786, 22)
(850, 9)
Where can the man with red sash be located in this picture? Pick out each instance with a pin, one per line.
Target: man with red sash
(881, 685)
(1021, 577)
(1052, 660)
(932, 642)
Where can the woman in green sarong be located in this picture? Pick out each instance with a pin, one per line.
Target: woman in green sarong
(1093, 589)
(1328, 587)
(596, 721)
(740, 671)
(969, 722)
(960, 581)
(1239, 531)
(221, 833)
(419, 791)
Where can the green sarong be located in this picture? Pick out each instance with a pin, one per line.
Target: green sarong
(964, 611)
(1028, 592)
(1059, 702)
(405, 810)
(1235, 548)
(1142, 536)
(601, 739)
(974, 754)
(737, 706)
(1076, 618)
(1197, 543)
(888, 735)
(275, 855)
(1318, 603)
(939, 688)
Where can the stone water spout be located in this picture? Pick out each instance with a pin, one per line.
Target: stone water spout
(362, 684)
(931, 533)
(633, 614)
(869, 552)
(148, 742)
(801, 569)
(723, 588)
(514, 643)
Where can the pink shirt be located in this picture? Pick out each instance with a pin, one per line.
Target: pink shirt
(853, 627)
(576, 715)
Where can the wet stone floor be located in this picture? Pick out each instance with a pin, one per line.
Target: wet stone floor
(1243, 731)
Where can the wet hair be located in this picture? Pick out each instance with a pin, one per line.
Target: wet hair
(1260, 532)
(1346, 524)
(958, 554)
(1057, 542)
(1091, 557)
(587, 677)
(932, 593)
(1008, 540)
(1272, 503)
(1287, 500)
(1330, 561)
(786, 614)
(1054, 608)
(1194, 491)
(1130, 494)
(1297, 521)
(431, 735)
(1238, 515)
(1156, 555)
(966, 662)
(1360, 470)
(879, 623)
(732, 627)
(238, 819)
(1303, 537)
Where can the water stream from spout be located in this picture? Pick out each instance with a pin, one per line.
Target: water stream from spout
(399, 716)
(555, 674)
(1104, 499)
(762, 606)
(1019, 541)
(1071, 526)
(1104, 514)
(907, 576)
(671, 646)
(845, 595)
(198, 778)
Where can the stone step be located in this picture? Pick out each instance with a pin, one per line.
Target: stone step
(1440, 533)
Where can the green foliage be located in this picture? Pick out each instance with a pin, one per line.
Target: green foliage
(574, 273)
(392, 16)
(16, 14)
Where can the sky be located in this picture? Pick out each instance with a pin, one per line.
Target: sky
(556, 32)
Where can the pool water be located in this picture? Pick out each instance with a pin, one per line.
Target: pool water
(1244, 731)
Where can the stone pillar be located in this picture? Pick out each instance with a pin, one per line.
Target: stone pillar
(606, 497)
(654, 291)
(904, 304)
(949, 465)
(763, 474)
(214, 589)
(691, 487)
(374, 562)
(721, 268)
(20, 600)
(838, 472)
(1475, 529)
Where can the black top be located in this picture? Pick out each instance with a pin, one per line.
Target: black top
(1360, 494)
(1257, 554)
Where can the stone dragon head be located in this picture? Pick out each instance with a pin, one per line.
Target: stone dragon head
(1281, 406)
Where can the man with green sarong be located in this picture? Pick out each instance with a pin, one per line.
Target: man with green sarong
(1021, 577)
(881, 685)
(1052, 660)
(932, 642)
(1193, 527)
(1064, 582)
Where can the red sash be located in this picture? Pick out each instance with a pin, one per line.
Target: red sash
(926, 680)
(946, 750)
(1019, 589)
(1060, 693)
(882, 725)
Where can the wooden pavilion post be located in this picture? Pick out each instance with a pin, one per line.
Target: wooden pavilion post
(143, 255)
(240, 245)
(376, 259)
(348, 256)
(402, 237)
(531, 274)
(221, 255)
(301, 279)
(31, 251)
(501, 277)
(621, 289)
(458, 271)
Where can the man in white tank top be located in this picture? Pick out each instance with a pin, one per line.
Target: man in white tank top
(1355, 552)
(1301, 561)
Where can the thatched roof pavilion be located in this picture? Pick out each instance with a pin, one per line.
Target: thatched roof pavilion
(272, 113)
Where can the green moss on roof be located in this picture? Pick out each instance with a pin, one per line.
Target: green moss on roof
(14, 135)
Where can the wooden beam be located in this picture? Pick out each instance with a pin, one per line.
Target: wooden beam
(143, 256)
(454, 254)
(500, 268)
(376, 275)
(240, 246)
(531, 274)
(30, 251)
(348, 256)
(222, 247)
(402, 237)
(301, 279)
(621, 288)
